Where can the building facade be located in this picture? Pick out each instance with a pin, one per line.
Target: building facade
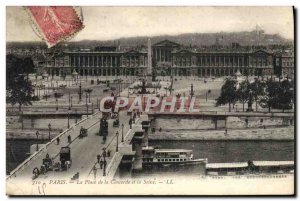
(284, 64)
(168, 58)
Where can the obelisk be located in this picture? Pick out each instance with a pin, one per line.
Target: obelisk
(149, 68)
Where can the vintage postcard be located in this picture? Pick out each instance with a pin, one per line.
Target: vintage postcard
(150, 100)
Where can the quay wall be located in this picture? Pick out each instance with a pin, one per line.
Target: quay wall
(284, 133)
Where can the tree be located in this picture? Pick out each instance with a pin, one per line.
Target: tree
(21, 92)
(28, 66)
(270, 97)
(285, 96)
(257, 90)
(243, 92)
(18, 88)
(228, 93)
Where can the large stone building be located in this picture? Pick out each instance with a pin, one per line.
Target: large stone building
(284, 64)
(167, 58)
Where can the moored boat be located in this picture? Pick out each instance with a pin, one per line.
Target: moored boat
(169, 157)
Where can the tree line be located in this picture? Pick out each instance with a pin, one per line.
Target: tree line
(268, 94)
(19, 89)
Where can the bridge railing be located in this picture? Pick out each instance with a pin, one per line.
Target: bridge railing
(43, 149)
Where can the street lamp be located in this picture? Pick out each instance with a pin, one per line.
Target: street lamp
(69, 101)
(104, 161)
(68, 118)
(87, 106)
(192, 90)
(122, 132)
(79, 93)
(37, 142)
(207, 92)
(49, 127)
(56, 104)
(76, 116)
(117, 148)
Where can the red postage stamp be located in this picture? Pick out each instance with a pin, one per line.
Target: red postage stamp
(55, 23)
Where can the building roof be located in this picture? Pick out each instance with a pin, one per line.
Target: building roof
(172, 150)
(92, 52)
(272, 163)
(167, 43)
(226, 165)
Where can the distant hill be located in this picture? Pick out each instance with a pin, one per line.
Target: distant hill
(252, 38)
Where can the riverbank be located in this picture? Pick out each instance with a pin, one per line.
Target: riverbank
(286, 133)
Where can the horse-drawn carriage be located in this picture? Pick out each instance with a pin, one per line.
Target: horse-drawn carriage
(47, 165)
(83, 133)
(65, 160)
(116, 123)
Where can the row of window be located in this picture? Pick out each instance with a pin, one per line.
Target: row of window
(287, 63)
(171, 159)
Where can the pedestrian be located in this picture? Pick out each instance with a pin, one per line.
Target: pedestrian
(69, 139)
(104, 164)
(130, 123)
(104, 153)
(101, 164)
(95, 172)
(57, 140)
(225, 131)
(98, 158)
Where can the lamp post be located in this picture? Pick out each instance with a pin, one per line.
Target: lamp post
(104, 161)
(56, 104)
(79, 93)
(69, 101)
(76, 116)
(122, 132)
(68, 118)
(206, 93)
(192, 90)
(47, 94)
(87, 106)
(117, 134)
(37, 138)
(49, 127)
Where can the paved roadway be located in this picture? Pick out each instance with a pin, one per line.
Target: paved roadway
(83, 151)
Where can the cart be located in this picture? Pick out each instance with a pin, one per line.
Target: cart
(65, 158)
(83, 133)
(116, 123)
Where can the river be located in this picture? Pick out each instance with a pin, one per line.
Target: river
(215, 151)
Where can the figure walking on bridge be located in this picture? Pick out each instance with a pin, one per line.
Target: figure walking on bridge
(69, 139)
(134, 117)
(98, 158)
(104, 167)
(130, 123)
(101, 164)
(95, 172)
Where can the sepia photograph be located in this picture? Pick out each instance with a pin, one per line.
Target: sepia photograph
(150, 100)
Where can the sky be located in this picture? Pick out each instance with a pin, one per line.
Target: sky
(106, 23)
